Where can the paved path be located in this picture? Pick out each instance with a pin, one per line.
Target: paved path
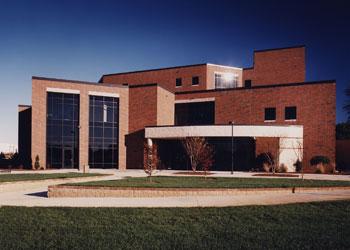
(35, 194)
(141, 173)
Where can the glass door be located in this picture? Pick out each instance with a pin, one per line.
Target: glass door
(68, 157)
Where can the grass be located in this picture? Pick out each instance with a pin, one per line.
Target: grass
(323, 225)
(212, 182)
(35, 176)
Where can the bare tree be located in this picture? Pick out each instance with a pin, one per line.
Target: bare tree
(206, 159)
(298, 150)
(273, 152)
(199, 152)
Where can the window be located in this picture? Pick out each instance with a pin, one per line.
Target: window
(103, 132)
(178, 82)
(226, 80)
(270, 114)
(195, 80)
(248, 83)
(290, 113)
(62, 130)
(195, 113)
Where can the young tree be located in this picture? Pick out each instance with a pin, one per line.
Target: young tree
(199, 152)
(206, 159)
(298, 150)
(151, 159)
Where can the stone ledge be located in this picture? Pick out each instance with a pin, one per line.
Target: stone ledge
(91, 191)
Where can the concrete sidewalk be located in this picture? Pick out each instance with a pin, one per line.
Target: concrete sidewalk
(35, 194)
(141, 173)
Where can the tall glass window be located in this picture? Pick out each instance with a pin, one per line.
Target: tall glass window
(62, 130)
(103, 132)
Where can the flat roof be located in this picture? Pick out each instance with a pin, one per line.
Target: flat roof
(282, 48)
(75, 81)
(166, 68)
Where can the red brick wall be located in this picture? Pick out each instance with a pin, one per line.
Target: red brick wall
(142, 107)
(315, 111)
(278, 66)
(142, 112)
(164, 77)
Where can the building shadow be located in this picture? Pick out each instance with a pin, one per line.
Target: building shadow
(39, 194)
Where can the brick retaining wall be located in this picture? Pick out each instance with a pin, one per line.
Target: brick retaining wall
(90, 191)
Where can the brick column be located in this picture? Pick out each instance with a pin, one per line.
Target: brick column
(84, 130)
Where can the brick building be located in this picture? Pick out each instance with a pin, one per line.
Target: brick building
(266, 108)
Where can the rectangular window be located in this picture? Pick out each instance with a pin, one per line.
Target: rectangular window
(62, 130)
(290, 113)
(195, 113)
(226, 80)
(178, 82)
(195, 80)
(270, 114)
(103, 131)
(248, 83)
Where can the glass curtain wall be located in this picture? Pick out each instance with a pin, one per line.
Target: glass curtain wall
(103, 132)
(62, 130)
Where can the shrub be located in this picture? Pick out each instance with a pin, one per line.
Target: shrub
(298, 166)
(323, 165)
(37, 162)
(320, 169)
(264, 161)
(319, 159)
(282, 168)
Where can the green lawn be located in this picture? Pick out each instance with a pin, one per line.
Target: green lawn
(323, 225)
(212, 182)
(34, 176)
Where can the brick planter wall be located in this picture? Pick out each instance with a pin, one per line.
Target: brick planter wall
(89, 191)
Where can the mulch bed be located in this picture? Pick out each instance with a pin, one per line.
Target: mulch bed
(277, 175)
(193, 173)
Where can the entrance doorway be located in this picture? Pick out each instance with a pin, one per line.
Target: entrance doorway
(68, 161)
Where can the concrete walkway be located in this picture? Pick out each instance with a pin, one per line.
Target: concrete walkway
(141, 173)
(35, 194)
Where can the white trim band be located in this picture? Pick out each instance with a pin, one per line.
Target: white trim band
(106, 94)
(223, 66)
(210, 99)
(224, 131)
(60, 90)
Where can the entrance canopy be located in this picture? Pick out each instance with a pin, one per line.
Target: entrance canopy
(290, 137)
(168, 132)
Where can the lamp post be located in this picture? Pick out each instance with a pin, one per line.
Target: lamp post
(231, 123)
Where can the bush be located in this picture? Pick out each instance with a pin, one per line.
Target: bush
(319, 159)
(282, 168)
(320, 169)
(298, 166)
(322, 164)
(37, 162)
(264, 161)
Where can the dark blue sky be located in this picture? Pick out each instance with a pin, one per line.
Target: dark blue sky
(84, 39)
